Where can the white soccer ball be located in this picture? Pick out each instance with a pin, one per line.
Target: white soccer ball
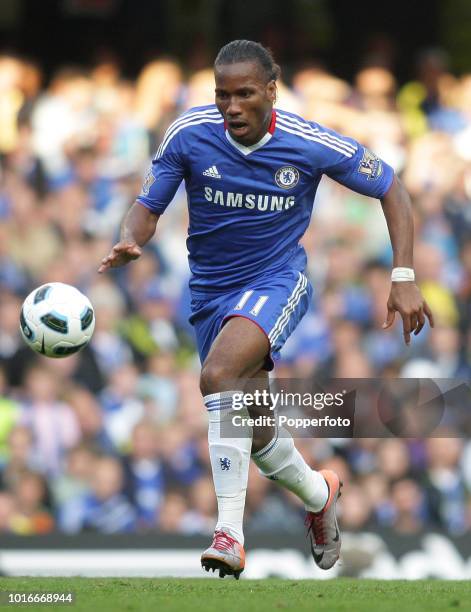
(57, 320)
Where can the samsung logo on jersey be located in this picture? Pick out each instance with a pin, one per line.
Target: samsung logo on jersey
(248, 200)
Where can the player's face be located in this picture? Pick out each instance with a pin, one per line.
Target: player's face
(245, 100)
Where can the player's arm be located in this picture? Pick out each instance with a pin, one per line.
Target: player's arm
(405, 297)
(354, 166)
(160, 185)
(137, 229)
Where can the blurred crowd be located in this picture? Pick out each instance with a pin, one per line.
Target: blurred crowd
(113, 439)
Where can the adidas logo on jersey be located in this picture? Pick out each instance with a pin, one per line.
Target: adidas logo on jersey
(212, 172)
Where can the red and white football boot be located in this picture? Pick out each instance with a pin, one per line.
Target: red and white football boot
(225, 554)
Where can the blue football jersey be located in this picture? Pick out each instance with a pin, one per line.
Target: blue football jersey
(250, 205)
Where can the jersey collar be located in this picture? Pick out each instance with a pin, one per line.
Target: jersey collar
(246, 150)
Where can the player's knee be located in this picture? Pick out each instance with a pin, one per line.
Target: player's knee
(215, 377)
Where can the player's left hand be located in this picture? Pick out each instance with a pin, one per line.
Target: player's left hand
(407, 300)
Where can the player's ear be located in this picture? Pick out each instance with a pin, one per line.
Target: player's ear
(272, 91)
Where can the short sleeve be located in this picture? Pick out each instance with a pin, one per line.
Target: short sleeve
(164, 176)
(355, 166)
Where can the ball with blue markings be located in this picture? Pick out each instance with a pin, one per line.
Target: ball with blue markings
(57, 320)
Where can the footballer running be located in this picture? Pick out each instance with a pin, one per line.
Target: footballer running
(251, 174)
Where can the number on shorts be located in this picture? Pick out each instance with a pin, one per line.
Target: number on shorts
(243, 300)
(259, 305)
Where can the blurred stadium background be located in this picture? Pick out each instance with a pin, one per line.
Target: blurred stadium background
(107, 449)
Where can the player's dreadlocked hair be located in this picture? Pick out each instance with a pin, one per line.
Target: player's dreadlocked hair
(249, 51)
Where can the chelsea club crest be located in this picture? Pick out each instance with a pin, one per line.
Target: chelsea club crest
(287, 177)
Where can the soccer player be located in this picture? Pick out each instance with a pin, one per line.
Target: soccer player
(251, 174)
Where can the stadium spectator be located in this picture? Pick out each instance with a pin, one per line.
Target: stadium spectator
(172, 513)
(120, 405)
(202, 508)
(7, 511)
(356, 509)
(72, 486)
(21, 456)
(31, 516)
(158, 95)
(9, 412)
(144, 474)
(445, 488)
(53, 423)
(408, 506)
(268, 510)
(90, 419)
(106, 509)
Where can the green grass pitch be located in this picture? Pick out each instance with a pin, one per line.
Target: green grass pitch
(228, 595)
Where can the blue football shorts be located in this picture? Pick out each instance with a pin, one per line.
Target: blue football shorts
(275, 303)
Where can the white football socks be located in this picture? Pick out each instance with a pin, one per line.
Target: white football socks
(230, 457)
(281, 461)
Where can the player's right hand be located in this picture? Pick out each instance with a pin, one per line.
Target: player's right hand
(121, 254)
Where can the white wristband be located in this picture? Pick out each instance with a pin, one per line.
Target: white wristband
(402, 275)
